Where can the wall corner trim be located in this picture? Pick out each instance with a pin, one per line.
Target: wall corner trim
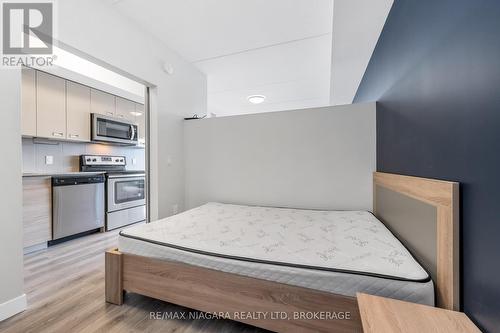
(13, 306)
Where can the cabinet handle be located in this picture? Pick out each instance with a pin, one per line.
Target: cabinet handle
(74, 136)
(57, 133)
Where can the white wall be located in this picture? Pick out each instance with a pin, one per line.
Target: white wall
(96, 28)
(12, 299)
(311, 158)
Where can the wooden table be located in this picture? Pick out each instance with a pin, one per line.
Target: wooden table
(385, 315)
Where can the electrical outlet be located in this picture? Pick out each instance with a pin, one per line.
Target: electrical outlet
(49, 159)
(175, 209)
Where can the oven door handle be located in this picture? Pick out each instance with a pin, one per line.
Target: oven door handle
(139, 176)
(132, 132)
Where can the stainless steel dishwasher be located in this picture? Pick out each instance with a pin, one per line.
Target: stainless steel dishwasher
(77, 204)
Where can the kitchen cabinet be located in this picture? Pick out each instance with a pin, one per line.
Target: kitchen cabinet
(125, 109)
(51, 106)
(102, 103)
(37, 210)
(28, 102)
(77, 111)
(56, 108)
(140, 120)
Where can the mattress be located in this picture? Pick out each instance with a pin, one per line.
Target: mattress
(341, 252)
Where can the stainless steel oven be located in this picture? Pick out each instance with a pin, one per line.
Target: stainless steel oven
(110, 129)
(125, 191)
(126, 199)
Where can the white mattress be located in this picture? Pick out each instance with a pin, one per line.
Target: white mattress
(342, 252)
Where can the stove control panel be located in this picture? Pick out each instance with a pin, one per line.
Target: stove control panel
(103, 160)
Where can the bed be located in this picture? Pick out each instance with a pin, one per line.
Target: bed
(233, 259)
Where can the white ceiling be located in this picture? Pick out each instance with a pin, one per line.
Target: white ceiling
(278, 48)
(291, 75)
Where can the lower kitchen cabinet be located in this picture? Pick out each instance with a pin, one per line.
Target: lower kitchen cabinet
(37, 210)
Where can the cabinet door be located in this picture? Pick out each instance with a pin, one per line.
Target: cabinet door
(51, 106)
(140, 119)
(37, 210)
(77, 111)
(28, 102)
(102, 103)
(125, 109)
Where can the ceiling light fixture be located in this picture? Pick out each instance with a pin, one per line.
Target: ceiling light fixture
(256, 99)
(135, 113)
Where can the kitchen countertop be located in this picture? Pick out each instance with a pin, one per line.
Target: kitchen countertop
(49, 174)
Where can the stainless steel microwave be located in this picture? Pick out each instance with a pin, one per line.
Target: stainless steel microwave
(110, 129)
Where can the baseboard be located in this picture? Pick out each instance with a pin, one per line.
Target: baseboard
(34, 248)
(12, 307)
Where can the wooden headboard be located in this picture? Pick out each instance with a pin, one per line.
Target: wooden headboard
(423, 214)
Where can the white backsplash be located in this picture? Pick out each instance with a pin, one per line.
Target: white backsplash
(66, 155)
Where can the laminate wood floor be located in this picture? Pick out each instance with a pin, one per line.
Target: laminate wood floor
(65, 289)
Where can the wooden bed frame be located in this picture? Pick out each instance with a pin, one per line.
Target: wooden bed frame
(246, 299)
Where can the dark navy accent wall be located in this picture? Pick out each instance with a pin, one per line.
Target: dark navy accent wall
(435, 73)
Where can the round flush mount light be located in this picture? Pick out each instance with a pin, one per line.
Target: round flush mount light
(256, 99)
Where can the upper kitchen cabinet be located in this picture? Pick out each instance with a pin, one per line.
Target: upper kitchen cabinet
(102, 103)
(28, 102)
(77, 111)
(140, 119)
(125, 109)
(51, 106)
(59, 109)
